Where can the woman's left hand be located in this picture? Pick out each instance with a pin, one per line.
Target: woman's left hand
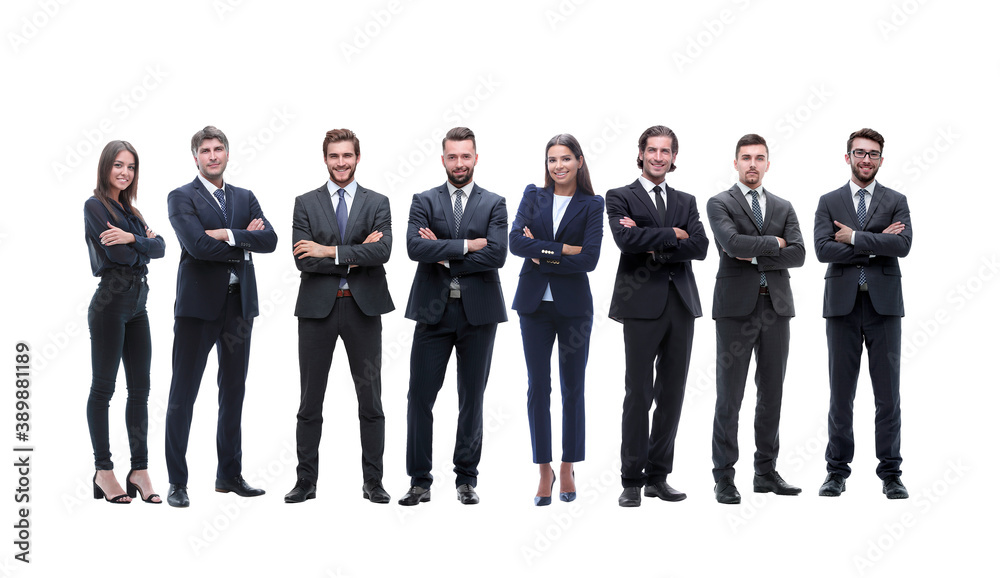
(115, 236)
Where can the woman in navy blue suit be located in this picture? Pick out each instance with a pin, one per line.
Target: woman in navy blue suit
(558, 231)
(120, 246)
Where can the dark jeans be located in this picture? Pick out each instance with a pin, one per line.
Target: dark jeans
(119, 333)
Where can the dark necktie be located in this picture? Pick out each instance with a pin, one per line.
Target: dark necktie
(458, 224)
(342, 223)
(221, 196)
(759, 217)
(661, 207)
(862, 213)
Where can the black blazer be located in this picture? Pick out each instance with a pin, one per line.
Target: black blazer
(643, 279)
(485, 215)
(314, 219)
(203, 271)
(878, 252)
(582, 225)
(737, 284)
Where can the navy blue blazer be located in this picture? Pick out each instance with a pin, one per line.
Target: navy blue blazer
(582, 225)
(203, 271)
(484, 215)
(643, 279)
(878, 252)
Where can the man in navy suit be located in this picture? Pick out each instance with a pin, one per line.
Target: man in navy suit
(341, 238)
(758, 238)
(219, 226)
(457, 233)
(659, 233)
(862, 229)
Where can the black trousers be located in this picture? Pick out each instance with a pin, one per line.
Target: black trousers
(432, 346)
(766, 334)
(193, 340)
(362, 337)
(647, 453)
(119, 335)
(882, 335)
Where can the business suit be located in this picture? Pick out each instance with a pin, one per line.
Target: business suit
(208, 311)
(356, 319)
(855, 317)
(751, 318)
(656, 298)
(569, 314)
(468, 324)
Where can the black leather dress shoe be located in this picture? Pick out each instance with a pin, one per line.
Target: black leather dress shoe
(376, 493)
(177, 496)
(833, 486)
(772, 482)
(894, 489)
(663, 491)
(303, 490)
(415, 495)
(467, 494)
(630, 498)
(726, 492)
(238, 486)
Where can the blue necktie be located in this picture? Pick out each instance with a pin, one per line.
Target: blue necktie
(458, 225)
(221, 196)
(862, 213)
(342, 223)
(760, 225)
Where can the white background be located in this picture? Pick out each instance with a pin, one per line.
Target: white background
(274, 79)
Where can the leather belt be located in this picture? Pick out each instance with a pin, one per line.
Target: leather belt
(454, 294)
(764, 290)
(343, 293)
(863, 287)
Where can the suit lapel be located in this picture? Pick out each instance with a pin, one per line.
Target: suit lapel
(360, 196)
(852, 209)
(644, 199)
(470, 207)
(737, 194)
(769, 211)
(543, 204)
(672, 203)
(877, 195)
(443, 199)
(325, 202)
(210, 199)
(572, 210)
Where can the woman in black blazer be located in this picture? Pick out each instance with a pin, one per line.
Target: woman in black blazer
(558, 231)
(120, 246)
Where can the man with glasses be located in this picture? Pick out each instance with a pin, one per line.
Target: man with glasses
(861, 230)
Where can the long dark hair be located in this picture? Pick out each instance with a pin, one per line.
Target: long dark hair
(103, 190)
(583, 175)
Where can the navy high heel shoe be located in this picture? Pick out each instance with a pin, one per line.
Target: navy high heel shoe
(546, 500)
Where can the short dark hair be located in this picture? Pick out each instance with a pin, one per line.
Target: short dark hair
(867, 133)
(749, 140)
(208, 133)
(657, 130)
(340, 135)
(459, 133)
(583, 175)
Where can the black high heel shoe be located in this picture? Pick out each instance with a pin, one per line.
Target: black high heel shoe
(546, 500)
(133, 489)
(99, 493)
(569, 496)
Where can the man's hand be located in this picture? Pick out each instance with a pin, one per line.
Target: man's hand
(739, 258)
(781, 243)
(571, 249)
(306, 248)
(476, 244)
(426, 233)
(373, 237)
(115, 236)
(843, 234)
(150, 233)
(218, 234)
(626, 222)
(680, 233)
(256, 225)
(895, 228)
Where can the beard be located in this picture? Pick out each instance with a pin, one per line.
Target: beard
(460, 181)
(856, 171)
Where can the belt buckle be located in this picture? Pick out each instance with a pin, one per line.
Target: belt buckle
(454, 294)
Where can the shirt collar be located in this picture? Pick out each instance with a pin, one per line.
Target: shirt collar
(349, 190)
(209, 186)
(855, 188)
(648, 184)
(467, 188)
(746, 190)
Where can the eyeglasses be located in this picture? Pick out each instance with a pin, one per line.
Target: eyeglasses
(860, 154)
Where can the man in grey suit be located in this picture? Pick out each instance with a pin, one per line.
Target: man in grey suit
(862, 229)
(758, 238)
(341, 238)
